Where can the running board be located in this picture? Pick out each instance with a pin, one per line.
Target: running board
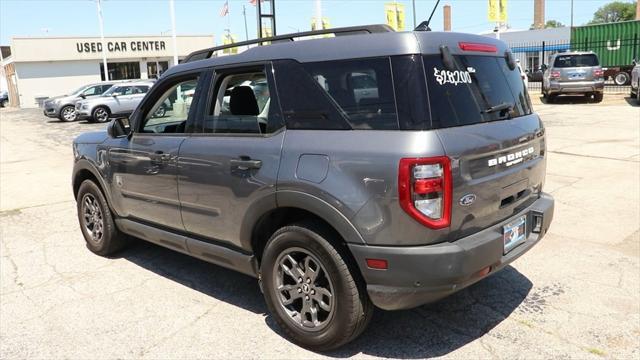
(202, 250)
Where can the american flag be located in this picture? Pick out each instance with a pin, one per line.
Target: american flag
(254, 2)
(225, 9)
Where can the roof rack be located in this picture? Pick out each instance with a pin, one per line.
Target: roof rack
(352, 30)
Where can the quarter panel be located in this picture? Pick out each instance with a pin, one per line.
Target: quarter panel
(362, 178)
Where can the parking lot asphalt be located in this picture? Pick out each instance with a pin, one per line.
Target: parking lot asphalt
(575, 295)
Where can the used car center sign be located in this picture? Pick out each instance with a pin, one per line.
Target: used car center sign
(116, 46)
(34, 49)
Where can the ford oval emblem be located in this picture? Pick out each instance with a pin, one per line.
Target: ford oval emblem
(467, 199)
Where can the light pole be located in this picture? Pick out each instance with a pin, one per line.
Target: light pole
(104, 50)
(318, 15)
(413, 3)
(173, 32)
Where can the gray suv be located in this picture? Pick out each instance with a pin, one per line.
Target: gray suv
(635, 81)
(64, 107)
(573, 73)
(391, 174)
(119, 100)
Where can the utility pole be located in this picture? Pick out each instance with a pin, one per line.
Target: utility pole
(318, 15)
(413, 3)
(104, 49)
(571, 13)
(246, 31)
(172, 10)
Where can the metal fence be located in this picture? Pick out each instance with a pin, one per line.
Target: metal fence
(615, 57)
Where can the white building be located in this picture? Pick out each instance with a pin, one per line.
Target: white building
(41, 67)
(527, 44)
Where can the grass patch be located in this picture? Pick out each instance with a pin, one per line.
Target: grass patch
(596, 351)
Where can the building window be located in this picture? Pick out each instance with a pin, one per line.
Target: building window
(121, 70)
(533, 61)
(156, 68)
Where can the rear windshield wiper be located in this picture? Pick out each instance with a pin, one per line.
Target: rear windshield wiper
(500, 107)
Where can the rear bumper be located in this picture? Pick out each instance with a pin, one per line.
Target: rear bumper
(576, 87)
(423, 274)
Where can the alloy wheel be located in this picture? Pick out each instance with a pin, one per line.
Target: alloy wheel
(101, 115)
(92, 218)
(304, 289)
(69, 113)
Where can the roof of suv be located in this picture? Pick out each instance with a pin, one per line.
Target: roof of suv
(574, 53)
(347, 47)
(135, 82)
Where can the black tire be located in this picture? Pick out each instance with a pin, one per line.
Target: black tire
(111, 239)
(4, 104)
(71, 116)
(161, 112)
(351, 308)
(621, 78)
(551, 98)
(597, 97)
(97, 114)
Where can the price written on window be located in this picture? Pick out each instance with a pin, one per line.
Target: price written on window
(452, 77)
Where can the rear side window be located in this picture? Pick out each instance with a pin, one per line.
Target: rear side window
(565, 61)
(478, 89)
(362, 89)
(305, 104)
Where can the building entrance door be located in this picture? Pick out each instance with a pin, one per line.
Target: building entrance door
(156, 68)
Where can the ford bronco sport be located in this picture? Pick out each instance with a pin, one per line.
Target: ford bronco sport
(370, 168)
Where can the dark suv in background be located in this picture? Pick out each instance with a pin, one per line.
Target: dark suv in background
(371, 168)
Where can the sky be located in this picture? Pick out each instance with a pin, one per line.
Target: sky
(151, 17)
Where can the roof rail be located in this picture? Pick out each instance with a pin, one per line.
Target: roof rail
(352, 30)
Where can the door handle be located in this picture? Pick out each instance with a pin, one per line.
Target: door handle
(160, 158)
(245, 163)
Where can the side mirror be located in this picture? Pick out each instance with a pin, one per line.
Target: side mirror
(83, 96)
(115, 94)
(635, 62)
(118, 127)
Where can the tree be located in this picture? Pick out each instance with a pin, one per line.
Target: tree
(614, 12)
(549, 24)
(553, 24)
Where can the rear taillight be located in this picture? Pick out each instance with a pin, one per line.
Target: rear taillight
(467, 46)
(555, 75)
(598, 73)
(424, 189)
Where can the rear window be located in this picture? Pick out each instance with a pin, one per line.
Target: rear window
(478, 89)
(565, 61)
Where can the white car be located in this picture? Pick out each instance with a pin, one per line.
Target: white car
(635, 81)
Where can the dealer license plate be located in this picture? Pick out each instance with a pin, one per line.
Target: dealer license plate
(514, 233)
(577, 75)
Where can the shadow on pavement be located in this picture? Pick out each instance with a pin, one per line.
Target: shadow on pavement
(428, 331)
(569, 100)
(215, 281)
(632, 101)
(449, 324)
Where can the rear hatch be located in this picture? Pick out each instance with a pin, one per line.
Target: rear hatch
(576, 67)
(483, 116)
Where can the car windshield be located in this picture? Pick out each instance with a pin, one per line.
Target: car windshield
(565, 61)
(79, 90)
(112, 90)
